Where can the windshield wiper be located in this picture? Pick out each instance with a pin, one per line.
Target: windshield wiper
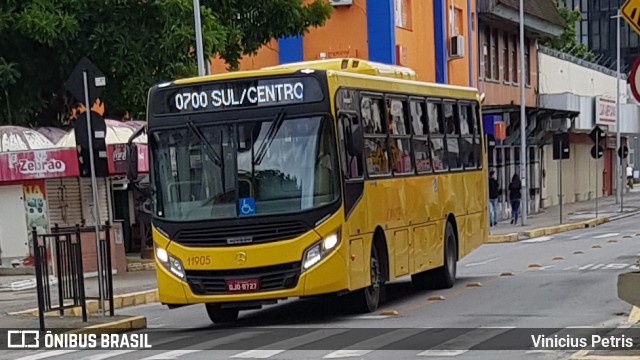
(271, 135)
(210, 150)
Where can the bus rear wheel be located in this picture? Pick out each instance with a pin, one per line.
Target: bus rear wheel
(369, 298)
(221, 315)
(443, 277)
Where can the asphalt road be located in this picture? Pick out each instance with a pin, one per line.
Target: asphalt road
(560, 281)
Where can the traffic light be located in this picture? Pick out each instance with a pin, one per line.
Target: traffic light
(99, 135)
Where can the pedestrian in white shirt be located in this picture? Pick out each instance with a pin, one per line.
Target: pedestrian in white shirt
(629, 176)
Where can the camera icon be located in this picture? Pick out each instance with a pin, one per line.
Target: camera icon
(23, 339)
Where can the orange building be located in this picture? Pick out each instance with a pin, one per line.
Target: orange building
(435, 38)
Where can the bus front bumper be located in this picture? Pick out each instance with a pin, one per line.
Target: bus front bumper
(330, 275)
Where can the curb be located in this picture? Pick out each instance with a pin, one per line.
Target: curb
(493, 239)
(119, 301)
(139, 266)
(584, 355)
(554, 229)
(137, 322)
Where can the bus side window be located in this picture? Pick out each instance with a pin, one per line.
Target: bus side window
(466, 131)
(351, 146)
(436, 136)
(399, 136)
(477, 134)
(420, 142)
(452, 136)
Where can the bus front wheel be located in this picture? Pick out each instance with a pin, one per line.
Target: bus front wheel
(369, 298)
(221, 315)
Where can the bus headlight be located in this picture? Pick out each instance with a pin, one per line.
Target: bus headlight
(170, 263)
(320, 250)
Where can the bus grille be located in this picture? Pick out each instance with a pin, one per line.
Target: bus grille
(241, 235)
(277, 277)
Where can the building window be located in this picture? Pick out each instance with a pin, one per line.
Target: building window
(458, 18)
(514, 59)
(506, 65)
(527, 62)
(495, 55)
(485, 54)
(403, 14)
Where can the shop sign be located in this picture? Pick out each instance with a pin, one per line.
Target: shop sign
(38, 164)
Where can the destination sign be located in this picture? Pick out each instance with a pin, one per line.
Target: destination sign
(217, 96)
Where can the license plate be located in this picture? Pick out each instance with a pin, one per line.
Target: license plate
(243, 285)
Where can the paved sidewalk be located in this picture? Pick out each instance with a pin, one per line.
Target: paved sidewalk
(573, 213)
(125, 283)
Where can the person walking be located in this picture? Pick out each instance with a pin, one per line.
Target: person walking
(493, 199)
(515, 195)
(629, 176)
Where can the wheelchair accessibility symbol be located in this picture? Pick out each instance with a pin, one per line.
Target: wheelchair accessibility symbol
(247, 206)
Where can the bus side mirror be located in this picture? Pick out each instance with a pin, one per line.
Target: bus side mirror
(132, 164)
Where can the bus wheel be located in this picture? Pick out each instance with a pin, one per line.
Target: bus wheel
(445, 276)
(368, 299)
(221, 315)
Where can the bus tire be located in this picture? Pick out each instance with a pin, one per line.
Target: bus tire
(443, 277)
(368, 299)
(220, 315)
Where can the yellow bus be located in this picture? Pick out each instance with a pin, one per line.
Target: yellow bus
(325, 177)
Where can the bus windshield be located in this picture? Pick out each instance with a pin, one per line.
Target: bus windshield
(247, 168)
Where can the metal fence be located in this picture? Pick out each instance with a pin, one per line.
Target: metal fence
(62, 249)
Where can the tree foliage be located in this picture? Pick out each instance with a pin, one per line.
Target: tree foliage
(136, 43)
(568, 41)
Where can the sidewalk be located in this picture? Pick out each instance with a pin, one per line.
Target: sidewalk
(572, 213)
(138, 286)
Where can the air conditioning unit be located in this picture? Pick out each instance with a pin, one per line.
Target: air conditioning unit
(340, 2)
(456, 46)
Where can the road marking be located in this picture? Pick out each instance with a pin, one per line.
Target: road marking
(275, 348)
(466, 341)
(442, 352)
(171, 355)
(107, 355)
(47, 354)
(538, 239)
(481, 262)
(606, 235)
(373, 343)
(576, 237)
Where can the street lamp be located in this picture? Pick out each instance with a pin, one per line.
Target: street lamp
(199, 52)
(523, 122)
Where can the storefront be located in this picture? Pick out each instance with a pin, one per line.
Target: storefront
(42, 188)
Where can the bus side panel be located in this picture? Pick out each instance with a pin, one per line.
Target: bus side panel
(357, 274)
(451, 196)
(426, 247)
(476, 221)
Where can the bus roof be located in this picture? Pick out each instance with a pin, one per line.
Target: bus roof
(350, 65)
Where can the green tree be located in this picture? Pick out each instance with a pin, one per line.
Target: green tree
(568, 41)
(136, 43)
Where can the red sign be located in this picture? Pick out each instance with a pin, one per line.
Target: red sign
(605, 111)
(38, 164)
(634, 79)
(118, 161)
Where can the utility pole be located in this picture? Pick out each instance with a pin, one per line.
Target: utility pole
(199, 51)
(523, 122)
